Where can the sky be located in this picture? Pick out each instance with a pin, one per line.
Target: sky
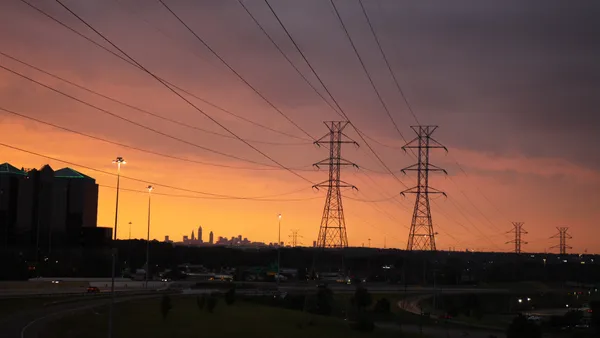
(512, 86)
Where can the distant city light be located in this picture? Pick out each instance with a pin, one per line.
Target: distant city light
(520, 300)
(529, 299)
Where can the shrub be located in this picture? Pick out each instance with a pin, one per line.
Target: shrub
(230, 296)
(165, 306)
(382, 306)
(362, 298)
(211, 303)
(201, 301)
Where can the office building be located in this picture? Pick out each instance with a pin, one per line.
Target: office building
(47, 209)
(211, 238)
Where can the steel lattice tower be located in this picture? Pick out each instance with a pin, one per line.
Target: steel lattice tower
(332, 233)
(563, 236)
(421, 235)
(518, 231)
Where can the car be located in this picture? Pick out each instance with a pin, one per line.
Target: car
(93, 289)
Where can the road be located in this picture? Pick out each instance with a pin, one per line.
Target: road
(27, 324)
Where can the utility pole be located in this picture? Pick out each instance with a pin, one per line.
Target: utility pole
(332, 232)
(118, 161)
(562, 235)
(150, 188)
(278, 251)
(518, 231)
(421, 235)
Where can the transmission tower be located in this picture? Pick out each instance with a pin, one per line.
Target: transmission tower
(518, 231)
(563, 236)
(294, 238)
(421, 235)
(332, 233)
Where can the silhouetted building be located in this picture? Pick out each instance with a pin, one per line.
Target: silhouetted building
(45, 209)
(11, 179)
(211, 238)
(200, 234)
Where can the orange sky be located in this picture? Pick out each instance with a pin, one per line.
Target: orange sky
(508, 176)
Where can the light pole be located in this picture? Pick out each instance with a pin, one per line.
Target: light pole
(278, 251)
(150, 188)
(119, 161)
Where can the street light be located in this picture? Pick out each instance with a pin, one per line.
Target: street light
(119, 161)
(278, 251)
(150, 188)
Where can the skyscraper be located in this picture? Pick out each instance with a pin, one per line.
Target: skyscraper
(211, 238)
(200, 234)
(193, 238)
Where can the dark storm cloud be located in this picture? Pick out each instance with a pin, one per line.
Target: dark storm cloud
(497, 76)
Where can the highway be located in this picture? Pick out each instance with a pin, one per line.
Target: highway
(27, 324)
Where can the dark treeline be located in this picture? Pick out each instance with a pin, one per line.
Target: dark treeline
(397, 266)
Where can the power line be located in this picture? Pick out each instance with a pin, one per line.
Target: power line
(341, 111)
(286, 57)
(233, 70)
(143, 126)
(408, 105)
(182, 97)
(167, 82)
(364, 67)
(141, 110)
(474, 206)
(269, 166)
(214, 198)
(387, 62)
(222, 196)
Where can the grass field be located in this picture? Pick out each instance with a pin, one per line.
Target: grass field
(143, 319)
(10, 306)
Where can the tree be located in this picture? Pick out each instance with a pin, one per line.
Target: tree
(201, 301)
(324, 301)
(165, 306)
(362, 298)
(230, 296)
(521, 327)
(211, 303)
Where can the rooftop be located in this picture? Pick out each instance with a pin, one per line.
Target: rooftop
(7, 168)
(70, 173)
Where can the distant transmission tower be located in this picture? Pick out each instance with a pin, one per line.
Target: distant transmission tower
(332, 233)
(421, 235)
(294, 238)
(518, 231)
(563, 236)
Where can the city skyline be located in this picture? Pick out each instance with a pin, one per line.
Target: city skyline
(520, 129)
